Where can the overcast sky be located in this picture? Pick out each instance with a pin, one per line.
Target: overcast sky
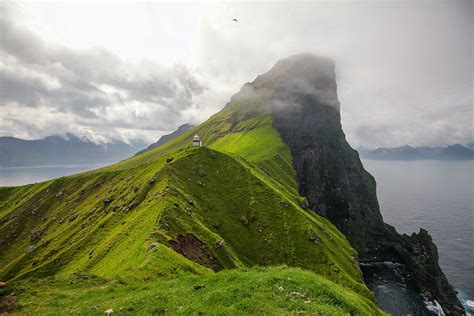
(138, 70)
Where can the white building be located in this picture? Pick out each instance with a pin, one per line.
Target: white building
(196, 141)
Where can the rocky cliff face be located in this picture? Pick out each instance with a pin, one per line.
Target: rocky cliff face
(301, 94)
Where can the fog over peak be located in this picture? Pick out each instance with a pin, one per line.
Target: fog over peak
(404, 68)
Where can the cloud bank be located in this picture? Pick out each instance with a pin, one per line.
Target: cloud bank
(404, 68)
(48, 88)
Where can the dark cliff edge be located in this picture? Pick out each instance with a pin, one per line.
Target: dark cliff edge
(301, 94)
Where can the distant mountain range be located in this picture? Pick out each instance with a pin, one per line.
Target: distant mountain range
(166, 138)
(62, 150)
(451, 152)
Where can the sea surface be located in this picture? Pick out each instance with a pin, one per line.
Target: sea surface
(439, 197)
(436, 195)
(12, 176)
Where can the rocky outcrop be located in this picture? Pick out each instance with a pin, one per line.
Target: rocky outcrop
(421, 255)
(305, 109)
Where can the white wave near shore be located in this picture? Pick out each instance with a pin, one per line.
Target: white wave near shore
(433, 306)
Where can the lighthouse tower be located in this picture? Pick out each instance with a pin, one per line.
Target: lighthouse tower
(196, 141)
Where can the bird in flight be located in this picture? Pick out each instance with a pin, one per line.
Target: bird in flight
(234, 20)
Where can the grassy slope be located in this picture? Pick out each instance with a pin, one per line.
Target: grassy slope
(256, 291)
(79, 231)
(247, 198)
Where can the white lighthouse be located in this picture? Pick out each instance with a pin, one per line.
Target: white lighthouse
(196, 141)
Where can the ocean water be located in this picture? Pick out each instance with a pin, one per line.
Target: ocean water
(13, 176)
(439, 197)
(394, 290)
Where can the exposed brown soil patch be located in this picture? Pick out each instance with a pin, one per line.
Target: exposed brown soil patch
(6, 303)
(194, 249)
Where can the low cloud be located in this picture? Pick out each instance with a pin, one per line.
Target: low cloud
(57, 89)
(404, 68)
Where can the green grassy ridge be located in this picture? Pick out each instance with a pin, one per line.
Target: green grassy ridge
(248, 291)
(79, 231)
(217, 126)
(107, 241)
(148, 200)
(244, 113)
(231, 195)
(262, 146)
(103, 237)
(248, 135)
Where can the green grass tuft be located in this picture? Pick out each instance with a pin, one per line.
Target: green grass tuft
(252, 291)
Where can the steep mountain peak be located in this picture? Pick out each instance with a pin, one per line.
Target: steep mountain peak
(331, 176)
(185, 127)
(305, 66)
(292, 79)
